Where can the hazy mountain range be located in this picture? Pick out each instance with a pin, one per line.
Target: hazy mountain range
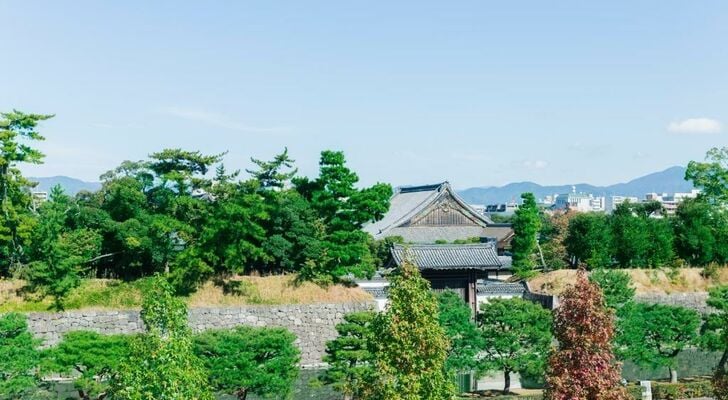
(670, 180)
(70, 185)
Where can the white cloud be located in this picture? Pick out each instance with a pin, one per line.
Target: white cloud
(216, 119)
(535, 164)
(695, 125)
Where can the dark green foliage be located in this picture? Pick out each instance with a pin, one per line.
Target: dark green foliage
(588, 240)
(411, 347)
(94, 357)
(654, 334)
(711, 176)
(271, 174)
(248, 360)
(526, 226)
(343, 209)
(350, 356)
(17, 131)
(715, 337)
(61, 256)
(701, 236)
(162, 364)
(616, 287)
(18, 357)
(456, 319)
(516, 337)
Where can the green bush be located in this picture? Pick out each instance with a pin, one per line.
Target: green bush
(682, 390)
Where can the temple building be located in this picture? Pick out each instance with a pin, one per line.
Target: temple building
(436, 214)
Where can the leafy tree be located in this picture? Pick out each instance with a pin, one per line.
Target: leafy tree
(17, 130)
(526, 225)
(247, 360)
(351, 360)
(411, 347)
(162, 364)
(60, 256)
(583, 366)
(715, 337)
(616, 286)
(711, 176)
(588, 239)
(695, 239)
(182, 168)
(661, 249)
(343, 209)
(630, 237)
(553, 238)
(18, 357)
(517, 337)
(456, 319)
(654, 334)
(93, 357)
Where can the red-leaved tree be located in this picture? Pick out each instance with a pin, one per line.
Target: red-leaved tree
(583, 367)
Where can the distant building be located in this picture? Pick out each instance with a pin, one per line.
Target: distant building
(39, 198)
(613, 201)
(501, 209)
(670, 202)
(583, 202)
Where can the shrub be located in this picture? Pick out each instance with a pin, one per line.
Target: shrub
(682, 390)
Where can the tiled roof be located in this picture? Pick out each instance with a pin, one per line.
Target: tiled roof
(408, 201)
(449, 256)
(500, 288)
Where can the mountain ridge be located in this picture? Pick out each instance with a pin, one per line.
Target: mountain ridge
(669, 180)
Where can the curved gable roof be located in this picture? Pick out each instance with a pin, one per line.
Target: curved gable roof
(407, 202)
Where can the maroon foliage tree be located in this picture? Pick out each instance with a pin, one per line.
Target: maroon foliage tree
(583, 367)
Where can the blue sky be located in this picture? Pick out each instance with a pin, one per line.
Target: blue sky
(477, 92)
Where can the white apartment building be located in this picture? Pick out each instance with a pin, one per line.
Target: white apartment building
(583, 202)
(613, 201)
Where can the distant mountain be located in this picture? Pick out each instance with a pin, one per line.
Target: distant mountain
(70, 185)
(670, 180)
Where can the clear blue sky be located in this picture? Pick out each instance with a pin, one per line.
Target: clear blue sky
(476, 92)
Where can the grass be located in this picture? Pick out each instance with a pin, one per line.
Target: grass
(106, 294)
(662, 281)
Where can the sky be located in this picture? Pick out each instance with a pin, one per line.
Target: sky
(478, 93)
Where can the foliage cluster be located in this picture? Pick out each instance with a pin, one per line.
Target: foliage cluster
(171, 214)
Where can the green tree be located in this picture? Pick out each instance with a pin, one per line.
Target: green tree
(588, 239)
(274, 174)
(411, 347)
(17, 130)
(61, 257)
(517, 337)
(456, 319)
(695, 240)
(630, 237)
(711, 176)
(350, 357)
(93, 357)
(553, 239)
(715, 337)
(162, 364)
(343, 209)
(247, 360)
(19, 357)
(616, 286)
(654, 334)
(526, 226)
(661, 249)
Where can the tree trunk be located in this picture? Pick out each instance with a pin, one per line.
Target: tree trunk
(723, 361)
(242, 394)
(507, 379)
(348, 397)
(83, 395)
(673, 375)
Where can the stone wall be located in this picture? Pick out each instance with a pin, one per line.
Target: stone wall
(313, 324)
(694, 300)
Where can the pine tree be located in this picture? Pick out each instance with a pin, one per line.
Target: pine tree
(18, 357)
(583, 367)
